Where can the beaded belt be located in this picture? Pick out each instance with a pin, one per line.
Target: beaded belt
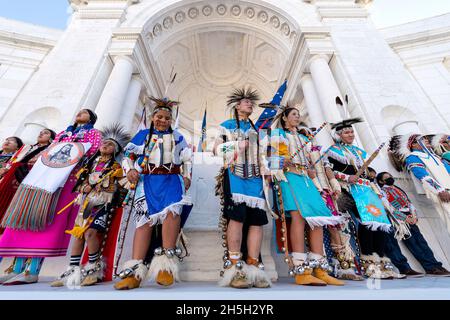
(297, 168)
(169, 169)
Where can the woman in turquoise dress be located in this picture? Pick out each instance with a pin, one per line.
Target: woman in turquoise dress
(289, 162)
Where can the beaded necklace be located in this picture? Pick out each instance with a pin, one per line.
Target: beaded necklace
(300, 150)
(354, 153)
(78, 133)
(154, 140)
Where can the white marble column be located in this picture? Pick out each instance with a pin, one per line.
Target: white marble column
(113, 97)
(131, 103)
(326, 87)
(315, 112)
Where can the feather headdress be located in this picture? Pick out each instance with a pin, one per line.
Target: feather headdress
(337, 127)
(117, 134)
(153, 105)
(164, 103)
(436, 142)
(400, 148)
(347, 123)
(241, 94)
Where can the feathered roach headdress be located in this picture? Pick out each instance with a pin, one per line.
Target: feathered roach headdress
(338, 126)
(436, 142)
(117, 134)
(163, 104)
(241, 94)
(400, 148)
(347, 123)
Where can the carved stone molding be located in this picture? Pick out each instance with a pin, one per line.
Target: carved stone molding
(207, 10)
(168, 22)
(193, 13)
(180, 16)
(263, 16)
(157, 29)
(213, 46)
(236, 10)
(221, 9)
(250, 12)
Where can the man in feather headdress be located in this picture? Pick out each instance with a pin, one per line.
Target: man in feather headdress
(360, 199)
(240, 186)
(413, 153)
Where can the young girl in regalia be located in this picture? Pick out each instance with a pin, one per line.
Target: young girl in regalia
(99, 195)
(158, 166)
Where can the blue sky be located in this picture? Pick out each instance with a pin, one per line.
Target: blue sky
(49, 13)
(54, 13)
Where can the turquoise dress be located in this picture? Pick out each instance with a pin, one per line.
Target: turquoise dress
(298, 190)
(346, 159)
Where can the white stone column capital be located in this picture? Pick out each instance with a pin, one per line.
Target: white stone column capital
(110, 105)
(125, 59)
(305, 77)
(316, 58)
(138, 78)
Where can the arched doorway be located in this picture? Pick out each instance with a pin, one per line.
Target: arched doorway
(214, 47)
